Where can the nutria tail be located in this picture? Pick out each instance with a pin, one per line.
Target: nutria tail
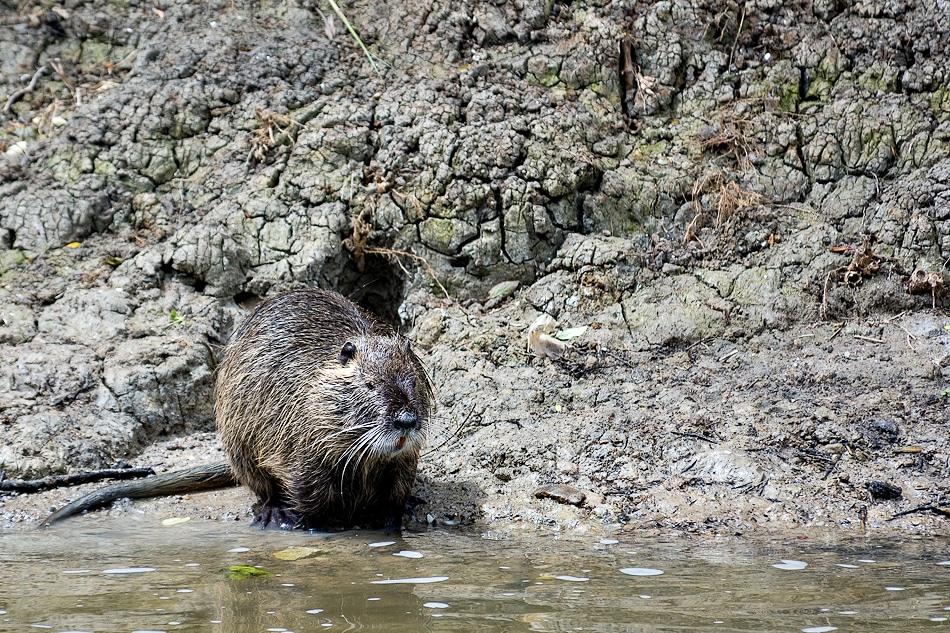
(204, 477)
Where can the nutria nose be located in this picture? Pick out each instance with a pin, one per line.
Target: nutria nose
(405, 420)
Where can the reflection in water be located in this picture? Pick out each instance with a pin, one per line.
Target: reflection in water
(100, 576)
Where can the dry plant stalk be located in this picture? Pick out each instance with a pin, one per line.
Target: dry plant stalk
(732, 198)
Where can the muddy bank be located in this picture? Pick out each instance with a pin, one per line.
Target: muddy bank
(736, 201)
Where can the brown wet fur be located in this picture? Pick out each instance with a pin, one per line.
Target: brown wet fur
(311, 424)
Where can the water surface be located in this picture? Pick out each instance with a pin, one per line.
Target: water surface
(205, 576)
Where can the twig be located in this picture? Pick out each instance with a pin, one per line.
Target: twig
(836, 332)
(58, 481)
(388, 252)
(927, 508)
(16, 96)
(728, 355)
(869, 339)
(696, 436)
(455, 433)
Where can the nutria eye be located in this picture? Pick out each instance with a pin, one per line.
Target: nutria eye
(370, 386)
(347, 353)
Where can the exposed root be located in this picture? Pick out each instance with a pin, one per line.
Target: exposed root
(275, 129)
(732, 198)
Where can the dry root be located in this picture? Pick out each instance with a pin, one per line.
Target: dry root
(732, 198)
(275, 129)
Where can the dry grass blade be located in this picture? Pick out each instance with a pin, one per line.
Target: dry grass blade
(349, 27)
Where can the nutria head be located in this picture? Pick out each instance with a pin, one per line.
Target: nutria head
(383, 398)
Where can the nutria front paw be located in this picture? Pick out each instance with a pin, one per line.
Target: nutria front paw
(277, 517)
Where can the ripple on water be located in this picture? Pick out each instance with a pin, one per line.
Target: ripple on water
(410, 581)
(408, 554)
(790, 565)
(382, 543)
(573, 578)
(436, 605)
(239, 550)
(641, 571)
(847, 565)
(314, 611)
(608, 541)
(819, 629)
(128, 570)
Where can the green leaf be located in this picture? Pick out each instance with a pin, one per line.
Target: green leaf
(243, 572)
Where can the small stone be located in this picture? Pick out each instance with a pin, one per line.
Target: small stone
(562, 493)
(883, 490)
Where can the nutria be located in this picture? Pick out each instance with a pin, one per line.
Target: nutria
(321, 409)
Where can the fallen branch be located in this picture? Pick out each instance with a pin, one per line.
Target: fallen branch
(942, 511)
(59, 481)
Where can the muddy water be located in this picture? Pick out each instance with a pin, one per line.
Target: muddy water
(108, 576)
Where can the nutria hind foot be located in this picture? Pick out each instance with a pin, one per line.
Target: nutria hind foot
(279, 517)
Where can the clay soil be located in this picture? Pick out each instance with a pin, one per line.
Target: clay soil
(734, 220)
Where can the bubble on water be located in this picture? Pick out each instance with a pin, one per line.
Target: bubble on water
(314, 611)
(185, 591)
(646, 596)
(410, 581)
(76, 571)
(848, 612)
(408, 554)
(944, 562)
(128, 570)
(286, 584)
(790, 565)
(326, 624)
(719, 621)
(192, 564)
(382, 543)
(938, 618)
(641, 571)
(239, 550)
(147, 631)
(3, 612)
(847, 565)
(508, 593)
(866, 560)
(572, 578)
(215, 621)
(373, 599)
(276, 629)
(819, 629)
(174, 623)
(505, 567)
(436, 605)
(894, 588)
(41, 626)
(608, 541)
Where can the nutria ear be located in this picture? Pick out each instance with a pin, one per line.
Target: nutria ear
(347, 353)
(405, 345)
